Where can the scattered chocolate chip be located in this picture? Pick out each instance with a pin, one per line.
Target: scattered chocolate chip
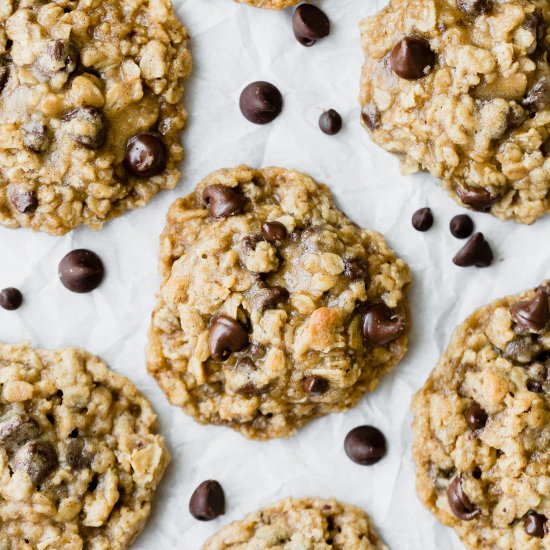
(365, 445)
(412, 58)
(274, 232)
(11, 298)
(356, 268)
(315, 385)
(532, 314)
(36, 458)
(25, 202)
(270, 297)
(381, 326)
(36, 137)
(17, 428)
(85, 126)
(330, 122)
(81, 270)
(476, 197)
(146, 155)
(476, 251)
(223, 201)
(261, 102)
(473, 8)
(534, 385)
(423, 219)
(226, 336)
(475, 416)
(370, 117)
(461, 226)
(309, 24)
(459, 502)
(538, 96)
(208, 501)
(535, 524)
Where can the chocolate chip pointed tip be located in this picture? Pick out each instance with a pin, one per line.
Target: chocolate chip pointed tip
(476, 252)
(461, 226)
(412, 58)
(532, 314)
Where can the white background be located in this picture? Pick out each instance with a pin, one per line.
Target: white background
(233, 45)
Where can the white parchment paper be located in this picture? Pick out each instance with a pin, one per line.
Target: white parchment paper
(232, 45)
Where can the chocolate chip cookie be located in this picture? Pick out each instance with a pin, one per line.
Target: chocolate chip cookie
(482, 425)
(79, 455)
(274, 307)
(270, 4)
(462, 89)
(90, 109)
(308, 524)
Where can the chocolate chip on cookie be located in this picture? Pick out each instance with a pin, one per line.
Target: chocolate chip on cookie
(11, 298)
(146, 155)
(86, 126)
(412, 58)
(81, 271)
(356, 268)
(477, 251)
(475, 416)
(226, 336)
(330, 122)
(36, 137)
(370, 116)
(4, 73)
(207, 501)
(538, 95)
(25, 202)
(309, 24)
(534, 524)
(17, 428)
(315, 385)
(261, 102)
(381, 325)
(473, 7)
(477, 197)
(532, 314)
(223, 201)
(459, 502)
(59, 56)
(423, 219)
(365, 445)
(461, 226)
(36, 458)
(274, 232)
(76, 455)
(269, 297)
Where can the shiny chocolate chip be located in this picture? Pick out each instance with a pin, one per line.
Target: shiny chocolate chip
(86, 126)
(423, 219)
(10, 298)
(534, 385)
(356, 269)
(81, 271)
(330, 122)
(207, 501)
(412, 58)
(381, 325)
(315, 385)
(146, 155)
(538, 96)
(475, 416)
(477, 198)
(25, 202)
(459, 502)
(274, 232)
(261, 102)
(36, 137)
(534, 524)
(473, 8)
(36, 458)
(477, 251)
(222, 201)
(461, 226)
(370, 117)
(365, 445)
(532, 314)
(309, 24)
(226, 336)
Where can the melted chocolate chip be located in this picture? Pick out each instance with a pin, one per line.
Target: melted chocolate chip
(459, 502)
(473, 8)
(476, 251)
(535, 524)
(330, 122)
(477, 198)
(521, 350)
(274, 232)
(381, 326)
(223, 201)
(36, 137)
(25, 202)
(412, 58)
(11, 298)
(207, 501)
(146, 155)
(423, 219)
(226, 336)
(36, 458)
(261, 102)
(17, 428)
(475, 416)
(538, 96)
(356, 268)
(270, 297)
(76, 456)
(315, 385)
(81, 271)
(532, 314)
(86, 126)
(461, 226)
(370, 117)
(365, 445)
(309, 24)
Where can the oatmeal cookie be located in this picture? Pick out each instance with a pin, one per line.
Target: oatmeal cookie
(270, 4)
(90, 109)
(308, 524)
(274, 307)
(79, 455)
(482, 425)
(462, 88)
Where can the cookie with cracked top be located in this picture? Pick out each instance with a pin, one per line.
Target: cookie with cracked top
(481, 425)
(90, 109)
(274, 308)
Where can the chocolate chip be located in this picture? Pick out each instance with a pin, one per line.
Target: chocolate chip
(365, 445)
(17, 428)
(315, 385)
(534, 385)
(381, 326)
(521, 350)
(309, 24)
(261, 102)
(532, 314)
(476, 251)
(475, 416)
(274, 232)
(461, 226)
(223, 201)
(534, 24)
(538, 96)
(60, 56)
(208, 501)
(226, 336)
(459, 502)
(11, 298)
(76, 456)
(370, 117)
(36, 458)
(473, 7)
(356, 268)
(270, 297)
(412, 58)
(330, 122)
(476, 197)
(146, 155)
(423, 219)
(36, 137)
(81, 271)
(535, 524)
(85, 126)
(25, 202)
(249, 243)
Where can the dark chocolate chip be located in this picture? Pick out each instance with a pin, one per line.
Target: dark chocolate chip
(423, 219)
(381, 326)
(249, 243)
(146, 155)
(532, 314)
(477, 198)
(315, 385)
(36, 458)
(223, 201)
(461, 226)
(261, 102)
(226, 336)
(476, 251)
(521, 350)
(274, 232)
(356, 268)
(535, 524)
(76, 456)
(534, 24)
(475, 416)
(270, 297)
(11, 298)
(60, 56)
(81, 271)
(17, 428)
(473, 7)
(534, 385)
(309, 24)
(25, 202)
(208, 501)
(86, 126)
(4, 73)
(538, 96)
(330, 122)
(365, 445)
(36, 137)
(459, 502)
(370, 116)
(412, 58)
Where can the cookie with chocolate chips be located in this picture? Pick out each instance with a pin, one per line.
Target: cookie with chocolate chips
(90, 109)
(270, 4)
(307, 523)
(461, 88)
(80, 457)
(482, 423)
(274, 307)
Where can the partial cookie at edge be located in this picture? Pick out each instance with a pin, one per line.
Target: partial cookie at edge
(270, 4)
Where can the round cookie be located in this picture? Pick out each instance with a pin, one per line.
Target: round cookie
(482, 425)
(79, 454)
(79, 80)
(462, 89)
(274, 307)
(308, 524)
(270, 4)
